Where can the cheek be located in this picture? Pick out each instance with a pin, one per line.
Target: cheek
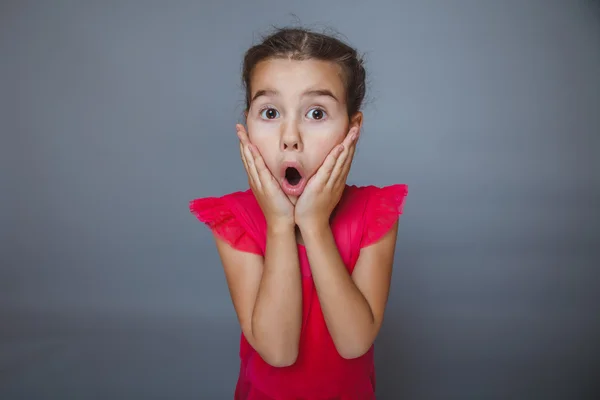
(267, 151)
(262, 134)
(326, 144)
(321, 149)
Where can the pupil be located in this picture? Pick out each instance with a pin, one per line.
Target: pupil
(317, 114)
(270, 113)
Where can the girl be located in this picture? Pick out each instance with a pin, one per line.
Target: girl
(307, 258)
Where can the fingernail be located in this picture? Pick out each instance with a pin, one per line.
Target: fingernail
(340, 149)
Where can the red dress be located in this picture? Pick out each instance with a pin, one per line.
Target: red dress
(362, 217)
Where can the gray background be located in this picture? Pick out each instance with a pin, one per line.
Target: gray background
(115, 114)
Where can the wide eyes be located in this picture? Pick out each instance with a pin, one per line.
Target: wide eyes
(269, 113)
(314, 113)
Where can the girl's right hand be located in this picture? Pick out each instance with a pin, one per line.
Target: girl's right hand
(275, 205)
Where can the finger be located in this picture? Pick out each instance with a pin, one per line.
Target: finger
(354, 134)
(243, 157)
(351, 151)
(261, 168)
(345, 156)
(242, 134)
(244, 142)
(252, 167)
(346, 167)
(322, 175)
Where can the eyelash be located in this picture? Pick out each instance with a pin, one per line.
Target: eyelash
(319, 109)
(268, 107)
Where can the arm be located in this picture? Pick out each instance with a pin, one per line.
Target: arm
(353, 306)
(267, 295)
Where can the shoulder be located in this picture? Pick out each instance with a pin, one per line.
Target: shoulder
(395, 192)
(201, 204)
(377, 208)
(219, 209)
(234, 218)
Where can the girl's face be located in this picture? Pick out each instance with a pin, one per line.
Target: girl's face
(297, 115)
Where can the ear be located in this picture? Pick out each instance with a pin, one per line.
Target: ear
(356, 121)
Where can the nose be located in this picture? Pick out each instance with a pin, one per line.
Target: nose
(291, 139)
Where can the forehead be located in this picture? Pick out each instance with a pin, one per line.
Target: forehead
(292, 77)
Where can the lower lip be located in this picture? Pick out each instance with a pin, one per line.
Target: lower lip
(293, 190)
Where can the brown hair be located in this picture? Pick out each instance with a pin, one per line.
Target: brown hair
(303, 44)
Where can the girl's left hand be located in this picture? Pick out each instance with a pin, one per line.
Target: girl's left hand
(324, 190)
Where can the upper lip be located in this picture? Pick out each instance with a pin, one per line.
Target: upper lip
(291, 164)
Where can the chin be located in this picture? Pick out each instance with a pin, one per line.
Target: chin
(293, 199)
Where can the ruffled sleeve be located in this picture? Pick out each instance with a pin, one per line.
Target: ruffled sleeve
(382, 209)
(218, 214)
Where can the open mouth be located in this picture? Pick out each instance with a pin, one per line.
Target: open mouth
(292, 176)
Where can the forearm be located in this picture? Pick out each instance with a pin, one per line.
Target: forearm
(347, 313)
(277, 316)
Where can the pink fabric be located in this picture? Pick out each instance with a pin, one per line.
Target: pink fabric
(363, 216)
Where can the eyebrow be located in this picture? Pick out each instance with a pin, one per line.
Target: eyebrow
(310, 93)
